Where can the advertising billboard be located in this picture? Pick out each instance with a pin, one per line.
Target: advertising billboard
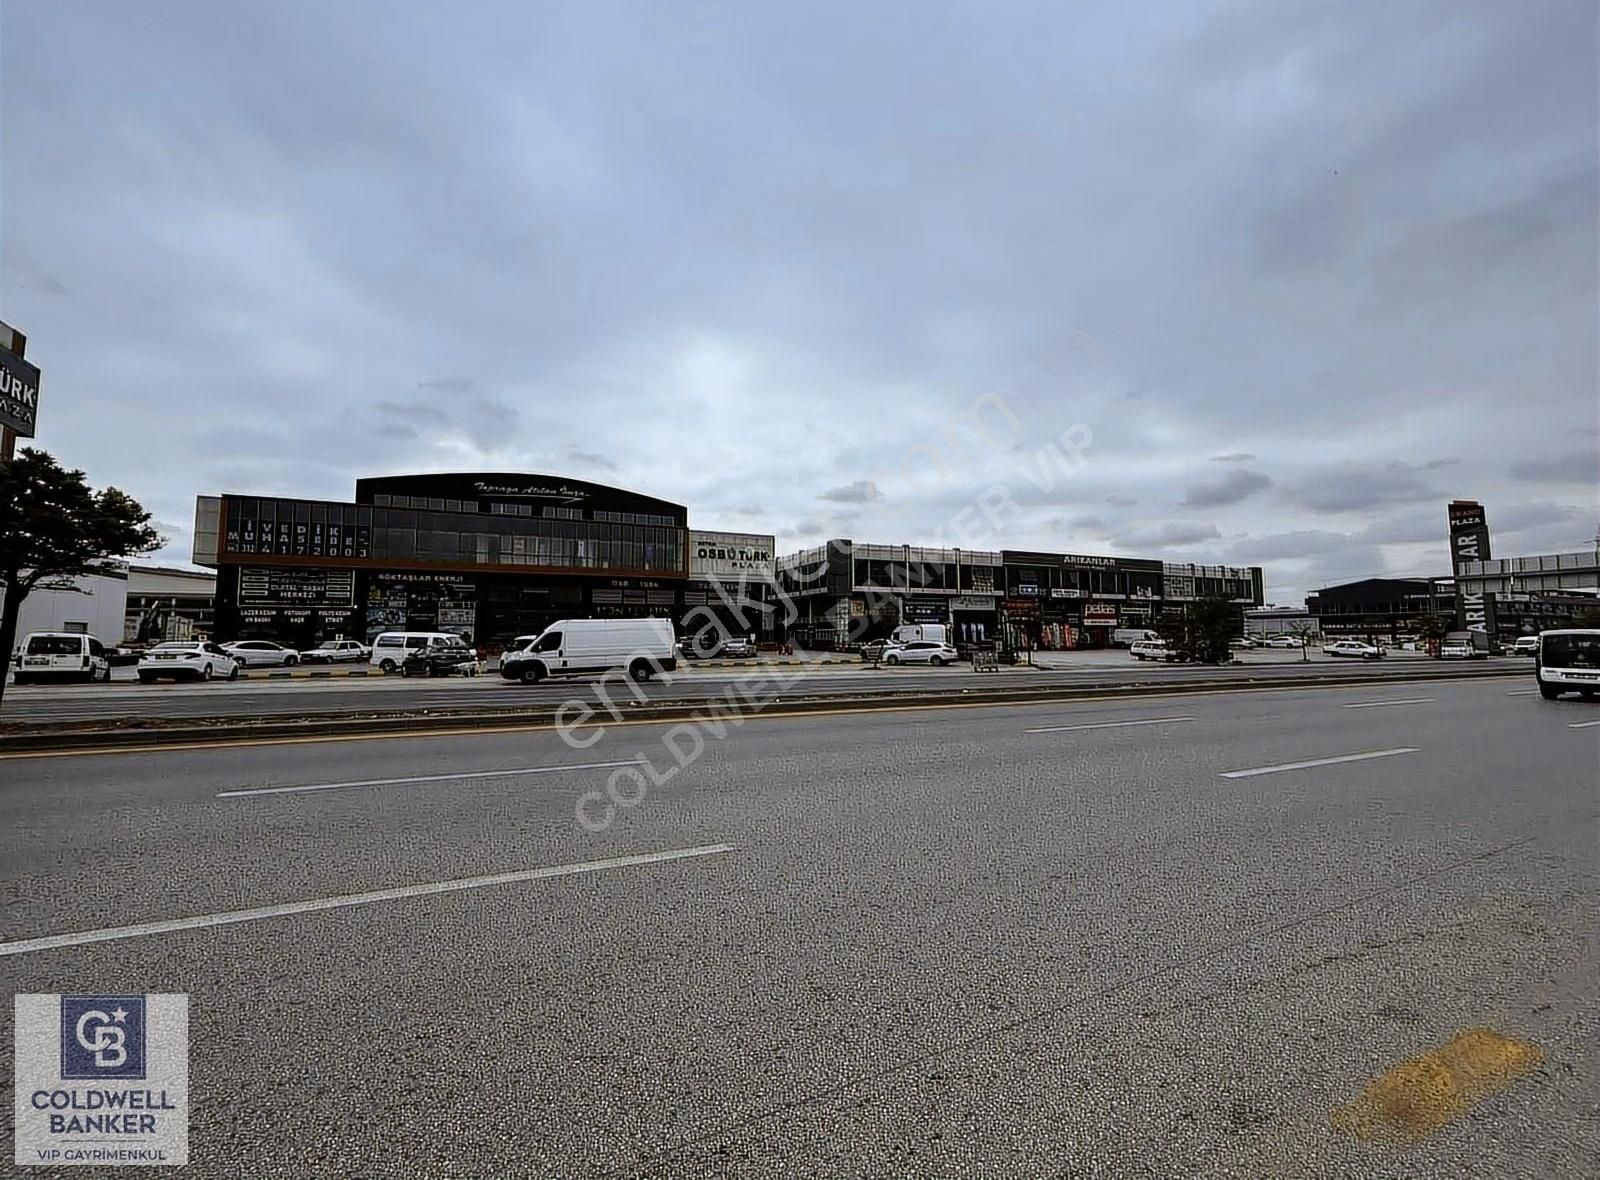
(730, 556)
(1469, 541)
(19, 394)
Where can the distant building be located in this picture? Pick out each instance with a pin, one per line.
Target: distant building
(1277, 620)
(1526, 595)
(1383, 608)
(93, 605)
(166, 602)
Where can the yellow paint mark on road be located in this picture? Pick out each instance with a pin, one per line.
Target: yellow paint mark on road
(1428, 1092)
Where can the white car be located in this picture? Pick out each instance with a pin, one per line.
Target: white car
(921, 651)
(189, 660)
(1526, 645)
(337, 651)
(1282, 641)
(1456, 649)
(262, 653)
(1150, 649)
(1353, 649)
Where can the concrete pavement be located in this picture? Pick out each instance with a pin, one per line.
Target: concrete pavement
(1047, 941)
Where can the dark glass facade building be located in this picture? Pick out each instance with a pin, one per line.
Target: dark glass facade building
(488, 556)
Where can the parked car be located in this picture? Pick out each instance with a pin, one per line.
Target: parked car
(337, 651)
(391, 647)
(1353, 649)
(186, 660)
(1526, 645)
(922, 651)
(1459, 649)
(1568, 661)
(263, 653)
(738, 646)
(1150, 649)
(1244, 642)
(60, 656)
(573, 647)
(1290, 641)
(441, 659)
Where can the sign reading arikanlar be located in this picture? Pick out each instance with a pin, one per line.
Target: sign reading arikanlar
(19, 394)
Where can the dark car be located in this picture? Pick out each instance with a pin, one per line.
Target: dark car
(440, 660)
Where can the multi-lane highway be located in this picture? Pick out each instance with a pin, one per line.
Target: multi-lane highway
(1348, 931)
(127, 699)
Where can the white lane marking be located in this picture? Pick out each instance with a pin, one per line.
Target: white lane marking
(1522, 692)
(1107, 725)
(345, 900)
(424, 778)
(1386, 704)
(1319, 762)
(1582, 724)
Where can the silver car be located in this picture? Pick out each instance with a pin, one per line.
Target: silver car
(919, 652)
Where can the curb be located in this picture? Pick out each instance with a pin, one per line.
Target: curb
(225, 732)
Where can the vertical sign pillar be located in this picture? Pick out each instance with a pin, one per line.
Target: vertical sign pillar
(19, 397)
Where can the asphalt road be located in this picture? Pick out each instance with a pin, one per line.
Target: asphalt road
(129, 700)
(1119, 938)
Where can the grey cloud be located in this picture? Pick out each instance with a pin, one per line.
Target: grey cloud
(1281, 546)
(1164, 536)
(1229, 489)
(588, 459)
(1233, 457)
(862, 491)
(1354, 487)
(1581, 466)
(1367, 259)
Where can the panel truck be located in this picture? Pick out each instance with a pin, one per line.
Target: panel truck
(577, 647)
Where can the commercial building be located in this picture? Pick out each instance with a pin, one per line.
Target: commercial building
(168, 602)
(1525, 595)
(1381, 608)
(1055, 601)
(92, 604)
(1268, 620)
(487, 556)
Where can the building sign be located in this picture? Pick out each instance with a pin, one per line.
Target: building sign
(558, 493)
(971, 602)
(260, 586)
(19, 394)
(1065, 592)
(422, 602)
(1469, 541)
(1099, 614)
(925, 610)
(284, 538)
(730, 556)
(1099, 563)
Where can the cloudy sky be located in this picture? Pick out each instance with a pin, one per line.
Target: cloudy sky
(1294, 275)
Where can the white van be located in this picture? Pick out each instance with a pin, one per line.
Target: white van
(575, 647)
(60, 655)
(1568, 661)
(390, 649)
(1128, 636)
(920, 633)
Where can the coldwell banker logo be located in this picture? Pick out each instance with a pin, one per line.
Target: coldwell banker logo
(102, 1079)
(102, 1037)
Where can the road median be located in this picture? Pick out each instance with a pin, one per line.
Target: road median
(18, 739)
